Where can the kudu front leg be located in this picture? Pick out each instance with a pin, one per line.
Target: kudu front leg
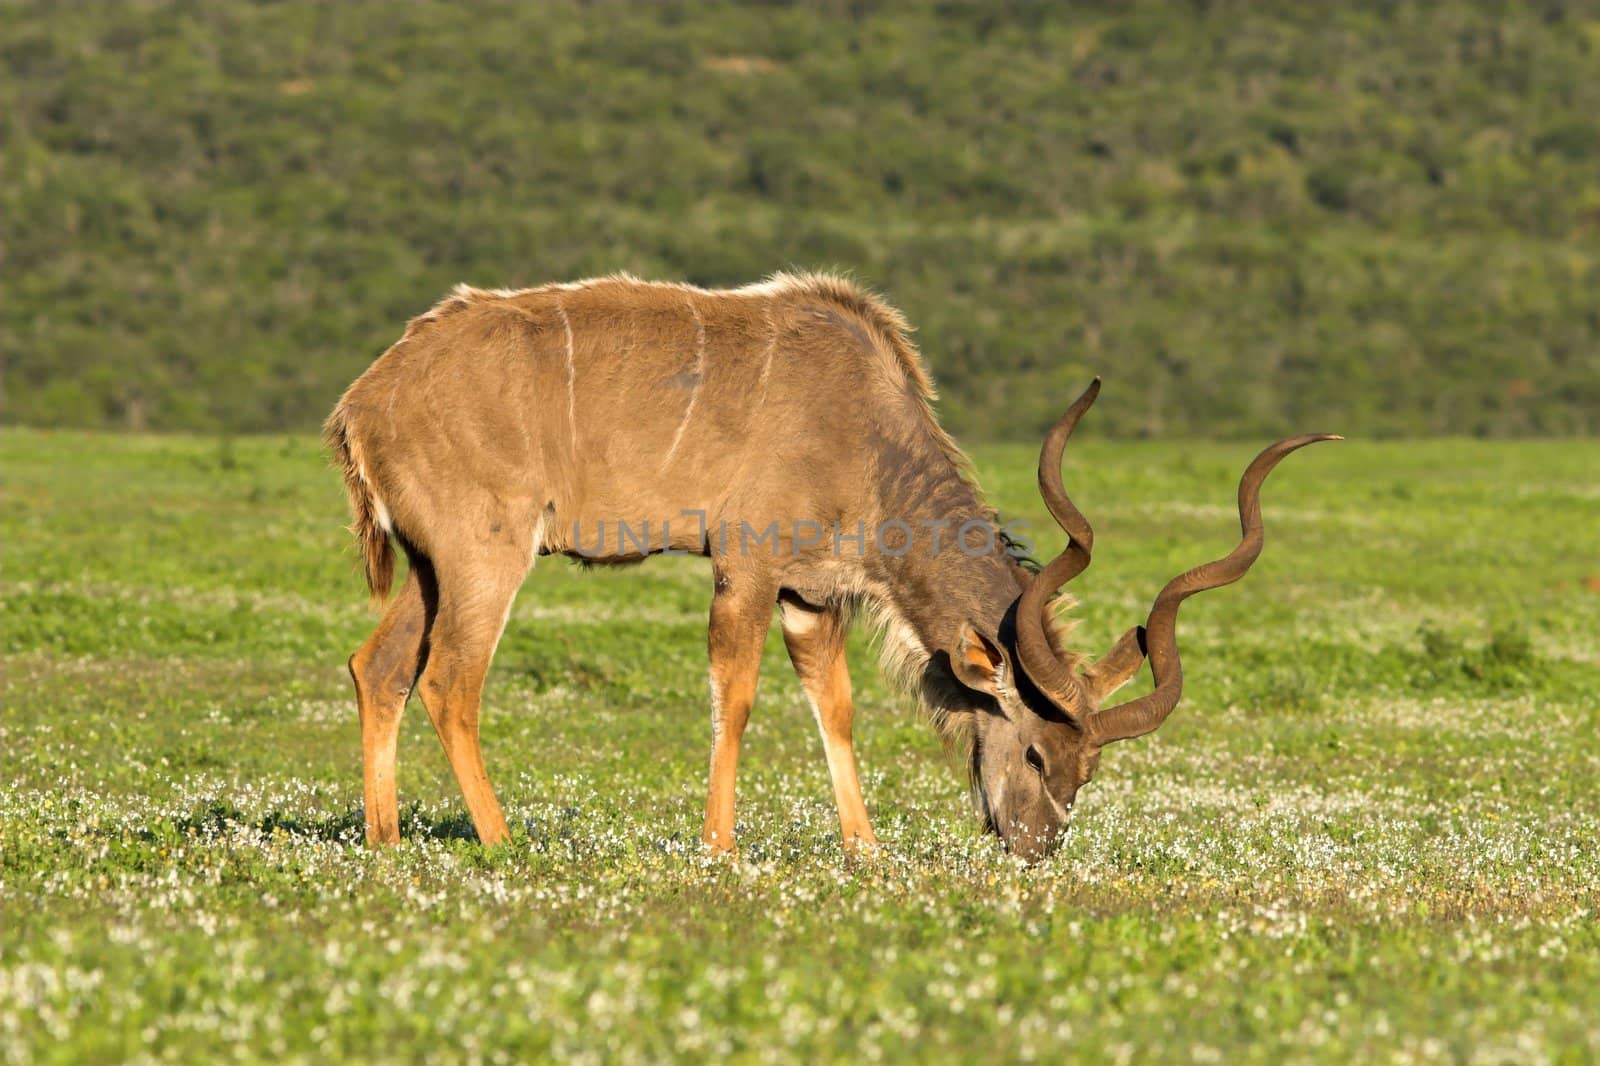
(741, 614)
(815, 639)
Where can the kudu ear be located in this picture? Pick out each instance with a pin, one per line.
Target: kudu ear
(978, 662)
(1117, 666)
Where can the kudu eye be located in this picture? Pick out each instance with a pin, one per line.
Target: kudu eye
(1035, 760)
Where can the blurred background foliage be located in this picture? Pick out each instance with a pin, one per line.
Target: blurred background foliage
(1382, 218)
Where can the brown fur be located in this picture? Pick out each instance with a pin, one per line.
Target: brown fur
(504, 425)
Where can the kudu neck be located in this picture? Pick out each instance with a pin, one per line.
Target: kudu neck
(959, 591)
(955, 570)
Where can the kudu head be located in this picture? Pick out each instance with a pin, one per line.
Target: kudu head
(1041, 740)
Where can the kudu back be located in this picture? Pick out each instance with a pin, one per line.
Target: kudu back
(783, 430)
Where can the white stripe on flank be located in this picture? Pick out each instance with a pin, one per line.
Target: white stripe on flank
(572, 376)
(700, 380)
(766, 366)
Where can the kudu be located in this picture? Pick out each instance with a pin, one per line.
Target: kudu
(785, 431)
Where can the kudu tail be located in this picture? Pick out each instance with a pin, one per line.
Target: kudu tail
(377, 556)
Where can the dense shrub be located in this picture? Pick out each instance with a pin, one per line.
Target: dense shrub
(1377, 217)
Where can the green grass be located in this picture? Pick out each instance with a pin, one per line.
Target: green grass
(1370, 832)
(215, 213)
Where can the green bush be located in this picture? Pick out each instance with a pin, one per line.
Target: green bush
(1377, 218)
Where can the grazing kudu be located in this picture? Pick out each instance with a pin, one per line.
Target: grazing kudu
(785, 431)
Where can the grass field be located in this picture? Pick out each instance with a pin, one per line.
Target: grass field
(1371, 832)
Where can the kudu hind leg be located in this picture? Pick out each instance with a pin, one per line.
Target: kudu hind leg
(474, 600)
(815, 639)
(384, 670)
(741, 614)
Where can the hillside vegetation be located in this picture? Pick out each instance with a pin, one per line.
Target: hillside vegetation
(1377, 218)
